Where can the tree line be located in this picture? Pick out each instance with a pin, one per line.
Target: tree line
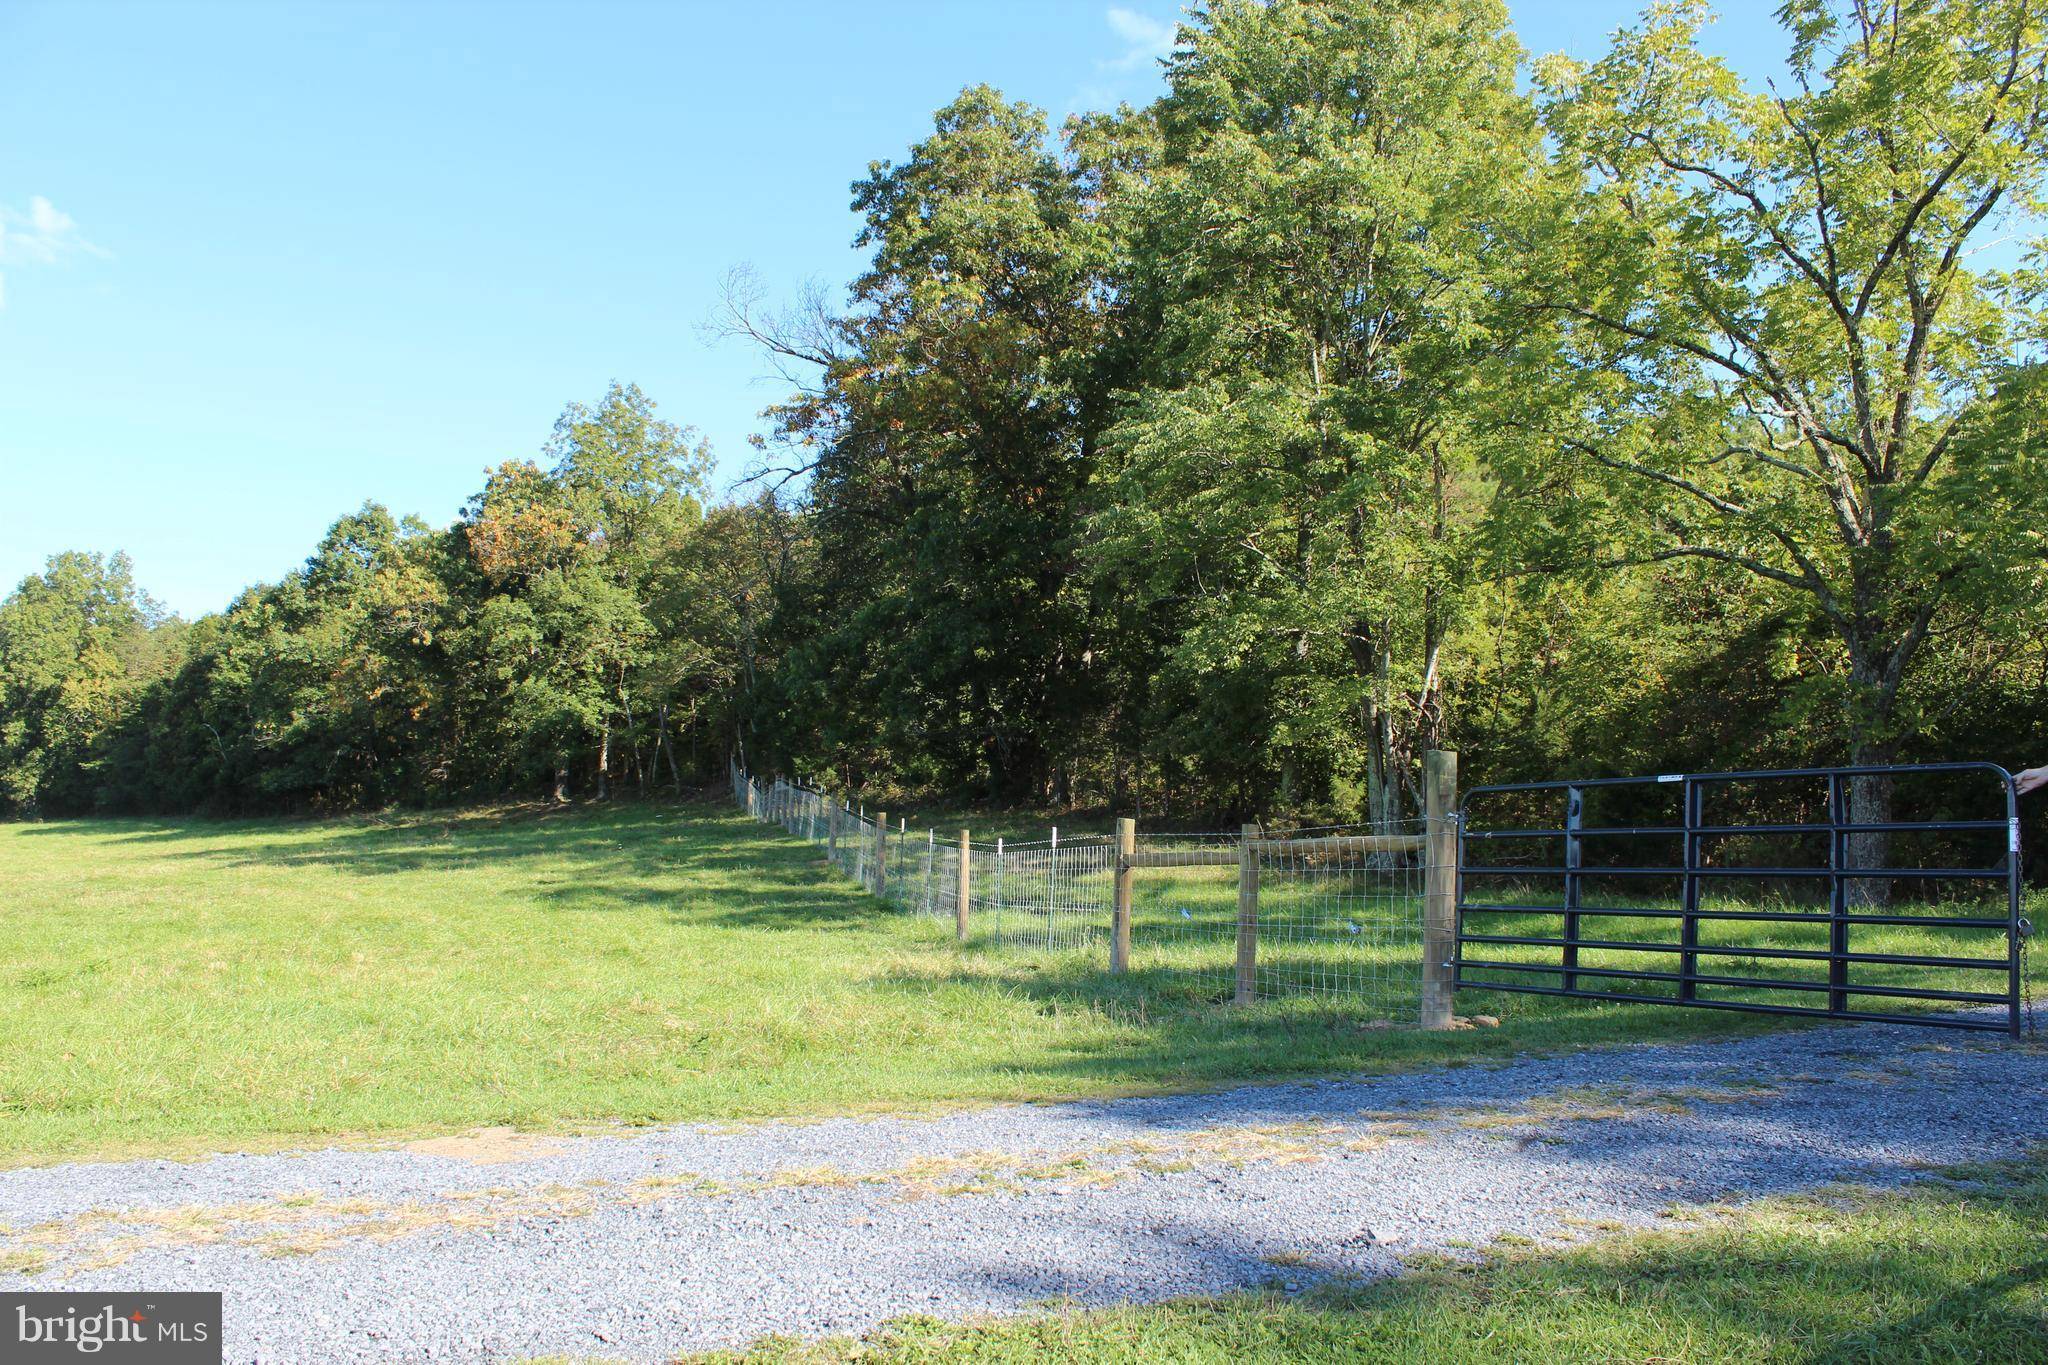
(1373, 389)
(581, 626)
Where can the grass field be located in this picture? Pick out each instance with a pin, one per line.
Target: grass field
(184, 987)
(1952, 1270)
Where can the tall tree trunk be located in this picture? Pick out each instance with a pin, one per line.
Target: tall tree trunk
(1387, 808)
(1870, 797)
(632, 734)
(666, 745)
(1382, 780)
(604, 762)
(561, 784)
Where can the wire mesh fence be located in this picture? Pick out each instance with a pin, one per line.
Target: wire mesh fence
(1336, 911)
(1374, 916)
(1054, 895)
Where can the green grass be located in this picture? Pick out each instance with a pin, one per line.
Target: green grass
(1937, 1272)
(177, 988)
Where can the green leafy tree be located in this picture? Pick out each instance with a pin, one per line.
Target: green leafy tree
(952, 433)
(320, 691)
(719, 642)
(75, 645)
(567, 564)
(1296, 471)
(1787, 349)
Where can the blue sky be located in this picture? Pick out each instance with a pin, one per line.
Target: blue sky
(262, 262)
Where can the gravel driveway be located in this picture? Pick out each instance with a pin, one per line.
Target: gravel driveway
(644, 1245)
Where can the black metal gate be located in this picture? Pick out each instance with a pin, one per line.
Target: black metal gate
(1576, 888)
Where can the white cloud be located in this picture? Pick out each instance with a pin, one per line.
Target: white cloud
(43, 235)
(1145, 39)
(44, 217)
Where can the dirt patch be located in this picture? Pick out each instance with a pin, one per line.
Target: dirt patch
(307, 1223)
(489, 1146)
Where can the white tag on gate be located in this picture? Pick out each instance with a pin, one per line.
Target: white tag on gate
(1672, 777)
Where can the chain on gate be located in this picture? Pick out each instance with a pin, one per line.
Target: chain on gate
(2025, 930)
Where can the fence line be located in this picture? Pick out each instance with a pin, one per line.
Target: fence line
(1340, 911)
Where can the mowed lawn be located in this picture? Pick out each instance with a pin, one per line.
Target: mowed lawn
(196, 986)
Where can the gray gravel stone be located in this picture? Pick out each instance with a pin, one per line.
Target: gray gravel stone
(645, 1244)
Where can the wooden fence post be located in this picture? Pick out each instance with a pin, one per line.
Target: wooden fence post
(832, 831)
(881, 852)
(1248, 915)
(961, 894)
(1120, 913)
(1440, 886)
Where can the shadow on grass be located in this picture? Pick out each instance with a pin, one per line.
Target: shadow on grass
(698, 864)
(519, 830)
(1919, 1272)
(1982, 1308)
(1181, 1029)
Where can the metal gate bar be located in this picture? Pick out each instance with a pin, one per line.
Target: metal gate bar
(1693, 871)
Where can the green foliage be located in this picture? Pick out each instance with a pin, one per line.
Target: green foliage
(1213, 459)
(77, 642)
(1296, 474)
(570, 644)
(1783, 351)
(957, 435)
(575, 628)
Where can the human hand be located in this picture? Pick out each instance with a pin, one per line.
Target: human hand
(2030, 779)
